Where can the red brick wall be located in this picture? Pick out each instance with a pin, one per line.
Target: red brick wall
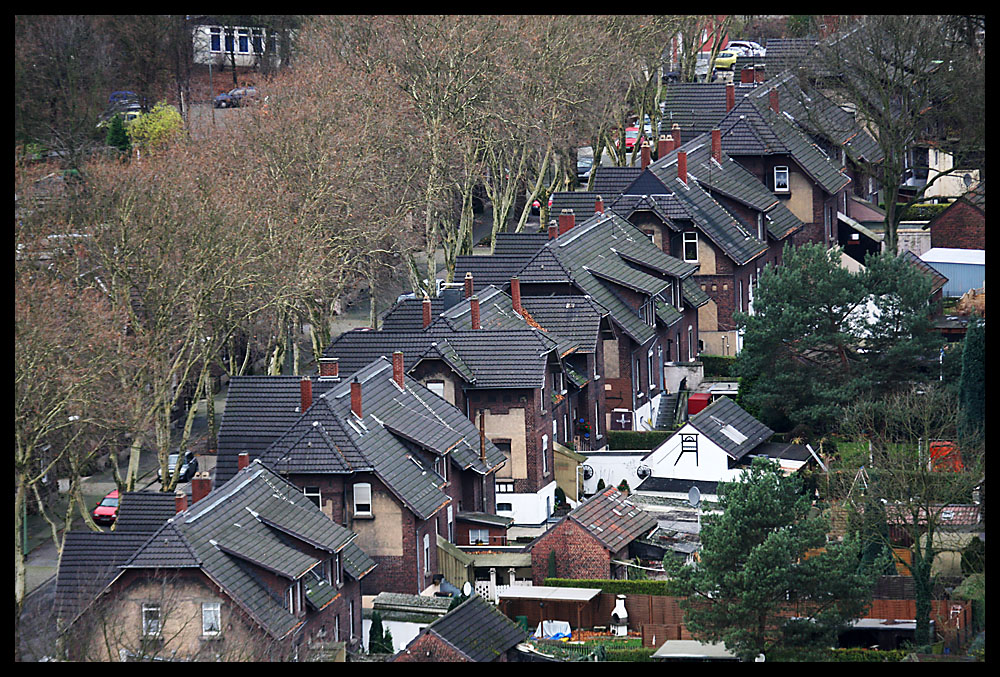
(961, 226)
(578, 554)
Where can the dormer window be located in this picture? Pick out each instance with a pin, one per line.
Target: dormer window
(691, 247)
(781, 180)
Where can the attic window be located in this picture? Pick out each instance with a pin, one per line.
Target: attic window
(691, 247)
(362, 500)
(781, 180)
(733, 434)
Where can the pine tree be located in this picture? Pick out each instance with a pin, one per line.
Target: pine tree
(972, 384)
(117, 135)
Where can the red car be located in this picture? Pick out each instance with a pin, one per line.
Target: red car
(106, 511)
(632, 138)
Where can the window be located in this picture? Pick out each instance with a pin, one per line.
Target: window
(351, 611)
(451, 524)
(244, 42)
(230, 45)
(691, 247)
(690, 343)
(436, 387)
(545, 454)
(505, 507)
(505, 487)
(216, 37)
(479, 536)
(335, 562)
(313, 494)
(363, 500)
(427, 553)
(258, 41)
(760, 227)
(211, 619)
(151, 620)
(781, 180)
(650, 370)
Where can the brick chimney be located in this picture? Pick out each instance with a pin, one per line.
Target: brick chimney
(553, 230)
(682, 166)
(773, 99)
(180, 501)
(645, 153)
(730, 96)
(567, 219)
(201, 486)
(427, 311)
(474, 309)
(675, 131)
(746, 75)
(599, 205)
(717, 145)
(468, 284)
(758, 75)
(329, 367)
(306, 390)
(515, 293)
(397, 368)
(242, 460)
(356, 397)
(663, 146)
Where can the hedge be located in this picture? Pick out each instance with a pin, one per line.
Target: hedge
(815, 655)
(631, 439)
(719, 365)
(616, 587)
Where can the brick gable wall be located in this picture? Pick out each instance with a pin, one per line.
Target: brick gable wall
(961, 226)
(578, 554)
(429, 648)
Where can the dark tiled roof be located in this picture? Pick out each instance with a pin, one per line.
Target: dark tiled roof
(259, 409)
(408, 314)
(610, 182)
(785, 450)
(788, 54)
(730, 427)
(696, 106)
(357, 348)
(144, 511)
(478, 630)
(519, 244)
(90, 561)
(577, 319)
(496, 269)
(977, 195)
(581, 203)
(521, 363)
(665, 206)
(612, 519)
(675, 486)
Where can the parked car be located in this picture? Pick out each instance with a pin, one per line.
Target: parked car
(189, 466)
(127, 104)
(106, 511)
(725, 59)
(745, 48)
(234, 98)
(584, 164)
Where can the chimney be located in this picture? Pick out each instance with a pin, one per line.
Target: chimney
(599, 205)
(201, 485)
(682, 166)
(356, 397)
(746, 75)
(468, 284)
(427, 311)
(670, 143)
(758, 75)
(645, 153)
(474, 308)
(515, 293)
(329, 367)
(717, 145)
(567, 219)
(773, 99)
(397, 368)
(553, 230)
(242, 460)
(730, 96)
(180, 501)
(663, 146)
(306, 390)
(675, 131)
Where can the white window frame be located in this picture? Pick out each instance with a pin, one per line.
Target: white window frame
(152, 627)
(427, 554)
(649, 368)
(545, 454)
(314, 494)
(504, 487)
(436, 387)
(363, 490)
(337, 570)
(212, 611)
(241, 34)
(473, 540)
(451, 524)
(215, 33)
(788, 183)
(690, 238)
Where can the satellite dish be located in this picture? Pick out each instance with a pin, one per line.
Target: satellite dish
(467, 589)
(694, 497)
(588, 472)
(643, 471)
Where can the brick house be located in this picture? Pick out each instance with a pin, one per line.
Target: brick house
(387, 458)
(249, 571)
(472, 632)
(591, 539)
(962, 225)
